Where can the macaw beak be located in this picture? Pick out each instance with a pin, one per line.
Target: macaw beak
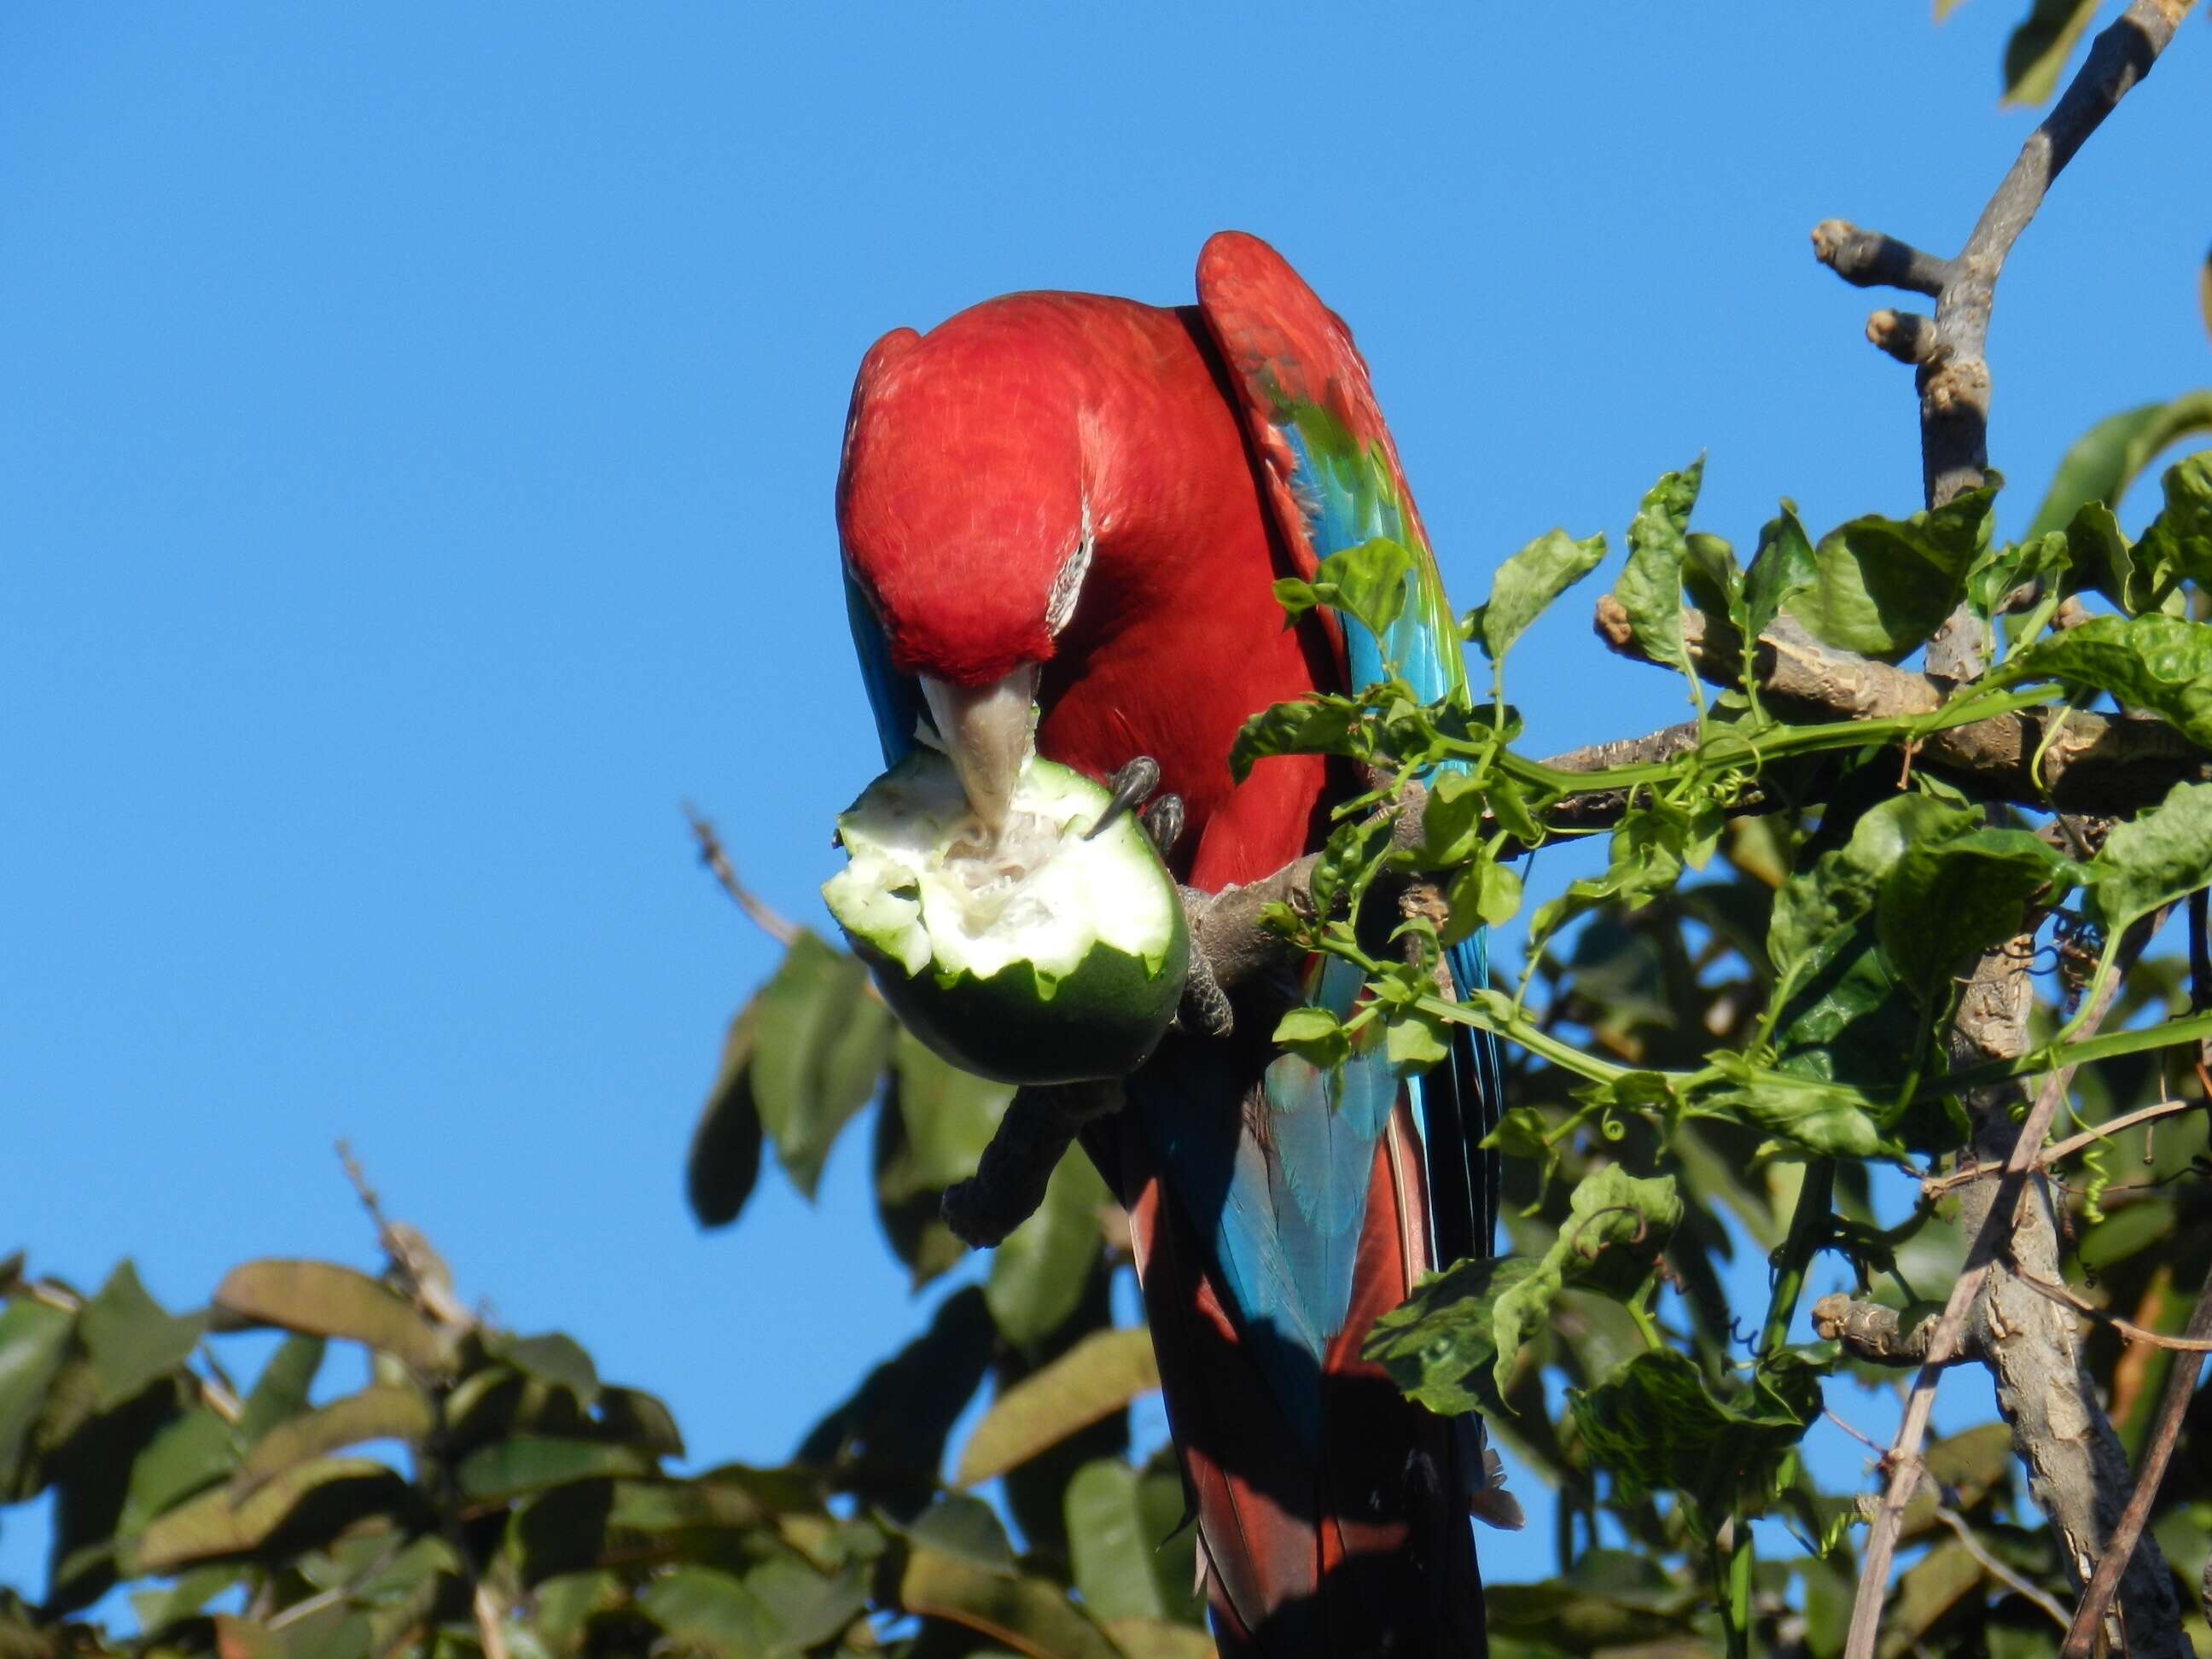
(986, 731)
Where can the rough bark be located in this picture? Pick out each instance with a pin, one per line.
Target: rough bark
(2077, 1472)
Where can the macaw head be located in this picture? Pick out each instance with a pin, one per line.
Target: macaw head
(962, 507)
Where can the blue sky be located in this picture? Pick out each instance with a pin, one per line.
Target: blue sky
(416, 435)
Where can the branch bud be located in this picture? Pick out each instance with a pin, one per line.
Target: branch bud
(1905, 335)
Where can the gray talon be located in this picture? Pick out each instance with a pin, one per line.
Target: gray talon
(1131, 786)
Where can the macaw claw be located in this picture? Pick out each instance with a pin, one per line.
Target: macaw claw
(1163, 822)
(1205, 1007)
(1131, 786)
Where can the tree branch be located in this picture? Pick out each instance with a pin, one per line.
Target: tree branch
(2104, 764)
(1953, 376)
(1866, 258)
(763, 916)
(1871, 1332)
(2180, 1385)
(2047, 1399)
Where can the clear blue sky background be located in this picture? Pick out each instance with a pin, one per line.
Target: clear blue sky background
(417, 426)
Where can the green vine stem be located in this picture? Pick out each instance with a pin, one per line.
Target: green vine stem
(1809, 1232)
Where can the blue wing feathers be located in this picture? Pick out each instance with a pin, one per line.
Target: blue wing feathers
(895, 698)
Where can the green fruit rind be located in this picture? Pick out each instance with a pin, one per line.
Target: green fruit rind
(1074, 977)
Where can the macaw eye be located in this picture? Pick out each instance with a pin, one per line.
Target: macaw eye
(1060, 605)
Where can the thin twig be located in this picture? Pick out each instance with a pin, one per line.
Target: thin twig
(2180, 1387)
(2066, 1296)
(1937, 1186)
(776, 925)
(1996, 1569)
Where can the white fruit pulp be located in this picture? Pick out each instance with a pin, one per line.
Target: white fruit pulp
(926, 889)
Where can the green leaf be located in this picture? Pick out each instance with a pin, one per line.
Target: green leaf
(388, 1411)
(1318, 724)
(34, 1340)
(2176, 545)
(887, 1440)
(1655, 1426)
(553, 1358)
(2180, 538)
(316, 1298)
(530, 1463)
(2107, 561)
(2125, 1233)
(966, 1529)
(950, 1115)
(1526, 585)
(325, 1497)
(723, 1161)
(1996, 573)
(157, 1610)
(1114, 1546)
(1314, 1036)
(1368, 582)
(562, 1604)
(281, 1392)
(1479, 1313)
(130, 1339)
(1519, 1134)
(712, 1609)
(1483, 893)
(809, 1608)
(1451, 822)
(1031, 1615)
(1817, 908)
(1818, 1117)
(1945, 900)
(1927, 1591)
(1158, 1638)
(1650, 586)
(2156, 663)
(1782, 566)
(1099, 1376)
(2113, 453)
(1882, 585)
(1710, 577)
(2152, 861)
(1567, 1617)
(641, 1420)
(2040, 46)
(1414, 1041)
(191, 1453)
(718, 1499)
(1444, 1341)
(931, 1131)
(1039, 1270)
(819, 1045)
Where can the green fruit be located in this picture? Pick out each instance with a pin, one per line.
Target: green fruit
(1045, 959)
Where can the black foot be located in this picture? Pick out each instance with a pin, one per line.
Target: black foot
(1131, 786)
(1009, 1182)
(1204, 1008)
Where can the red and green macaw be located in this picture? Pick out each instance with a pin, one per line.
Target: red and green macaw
(1085, 502)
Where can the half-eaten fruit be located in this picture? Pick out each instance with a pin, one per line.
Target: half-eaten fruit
(1040, 957)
